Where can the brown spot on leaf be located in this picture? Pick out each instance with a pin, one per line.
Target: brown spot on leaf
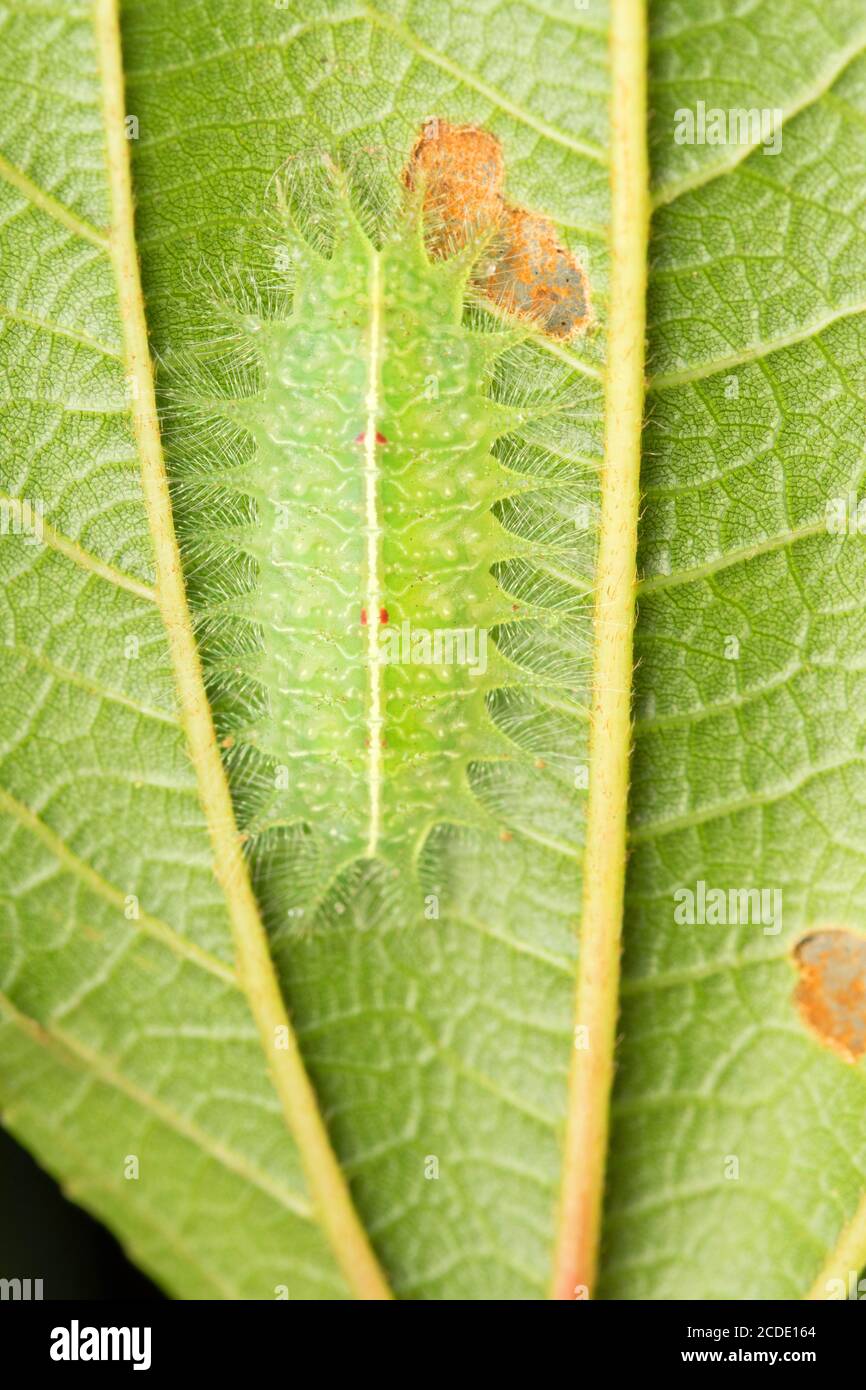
(831, 993)
(535, 278)
(526, 270)
(462, 172)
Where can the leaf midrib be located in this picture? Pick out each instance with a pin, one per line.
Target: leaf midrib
(597, 995)
(326, 1180)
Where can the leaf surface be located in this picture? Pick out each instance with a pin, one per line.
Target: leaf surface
(438, 1046)
(747, 769)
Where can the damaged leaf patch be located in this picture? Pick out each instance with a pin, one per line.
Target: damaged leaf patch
(831, 993)
(528, 273)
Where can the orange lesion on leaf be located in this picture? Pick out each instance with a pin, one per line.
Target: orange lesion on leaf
(462, 172)
(527, 271)
(831, 992)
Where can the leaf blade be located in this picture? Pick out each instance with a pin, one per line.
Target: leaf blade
(745, 771)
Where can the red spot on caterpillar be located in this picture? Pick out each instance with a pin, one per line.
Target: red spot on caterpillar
(363, 617)
(529, 273)
(383, 617)
(362, 438)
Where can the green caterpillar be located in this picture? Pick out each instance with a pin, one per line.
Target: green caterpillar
(403, 627)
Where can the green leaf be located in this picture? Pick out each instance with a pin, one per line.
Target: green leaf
(309, 964)
(747, 772)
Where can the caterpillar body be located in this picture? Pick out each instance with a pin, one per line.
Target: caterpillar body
(381, 518)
